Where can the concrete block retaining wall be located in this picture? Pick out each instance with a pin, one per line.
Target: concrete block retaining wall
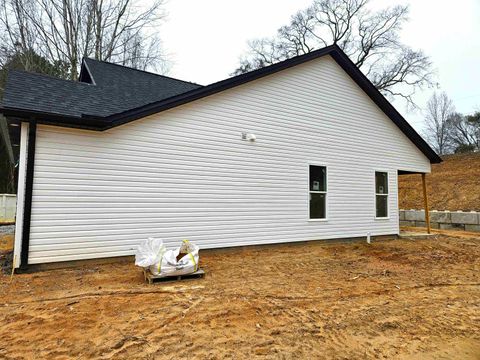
(458, 220)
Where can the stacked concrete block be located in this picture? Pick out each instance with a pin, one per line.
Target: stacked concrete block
(440, 216)
(456, 220)
(414, 215)
(461, 217)
(472, 227)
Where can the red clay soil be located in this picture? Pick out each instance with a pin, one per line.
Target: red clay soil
(453, 185)
(402, 299)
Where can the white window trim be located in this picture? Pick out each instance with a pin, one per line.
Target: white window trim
(325, 219)
(375, 194)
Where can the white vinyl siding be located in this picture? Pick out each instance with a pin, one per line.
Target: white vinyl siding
(186, 173)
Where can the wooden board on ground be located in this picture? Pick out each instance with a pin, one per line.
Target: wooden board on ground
(150, 278)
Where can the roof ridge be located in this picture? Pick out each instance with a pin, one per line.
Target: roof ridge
(139, 70)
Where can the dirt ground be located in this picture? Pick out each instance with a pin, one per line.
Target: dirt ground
(6, 242)
(6, 248)
(404, 299)
(453, 185)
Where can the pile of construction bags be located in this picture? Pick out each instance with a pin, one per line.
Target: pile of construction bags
(153, 255)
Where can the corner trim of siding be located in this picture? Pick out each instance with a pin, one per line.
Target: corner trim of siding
(22, 162)
(27, 208)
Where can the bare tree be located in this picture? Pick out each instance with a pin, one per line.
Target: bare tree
(67, 30)
(438, 124)
(370, 39)
(474, 122)
(465, 132)
(7, 169)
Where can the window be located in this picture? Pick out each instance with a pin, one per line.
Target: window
(318, 192)
(381, 194)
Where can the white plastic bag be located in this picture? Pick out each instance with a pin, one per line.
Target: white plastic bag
(162, 262)
(186, 264)
(150, 252)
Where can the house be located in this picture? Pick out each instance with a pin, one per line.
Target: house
(306, 149)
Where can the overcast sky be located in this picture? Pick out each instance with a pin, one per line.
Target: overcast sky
(204, 39)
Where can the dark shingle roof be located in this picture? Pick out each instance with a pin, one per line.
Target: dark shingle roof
(115, 89)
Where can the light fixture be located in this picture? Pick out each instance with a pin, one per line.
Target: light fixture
(249, 136)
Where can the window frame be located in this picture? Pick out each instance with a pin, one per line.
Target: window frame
(375, 194)
(325, 219)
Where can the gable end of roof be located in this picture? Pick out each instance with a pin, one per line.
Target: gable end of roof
(194, 92)
(333, 50)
